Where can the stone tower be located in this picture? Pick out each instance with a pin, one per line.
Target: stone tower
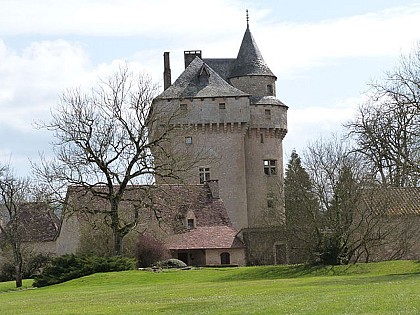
(228, 108)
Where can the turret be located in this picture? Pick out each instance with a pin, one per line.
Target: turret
(250, 73)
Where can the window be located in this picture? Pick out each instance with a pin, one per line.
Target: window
(270, 201)
(222, 105)
(261, 137)
(188, 140)
(270, 90)
(190, 224)
(270, 167)
(204, 173)
(267, 113)
(183, 107)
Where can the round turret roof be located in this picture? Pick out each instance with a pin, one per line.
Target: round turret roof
(249, 60)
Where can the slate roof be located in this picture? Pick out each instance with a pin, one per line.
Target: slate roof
(249, 60)
(199, 80)
(209, 237)
(266, 100)
(394, 200)
(223, 66)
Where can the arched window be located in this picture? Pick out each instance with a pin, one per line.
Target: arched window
(225, 258)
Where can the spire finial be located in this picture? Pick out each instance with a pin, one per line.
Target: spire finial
(247, 19)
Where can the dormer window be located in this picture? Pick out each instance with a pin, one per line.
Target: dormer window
(270, 90)
(190, 224)
(204, 75)
(204, 174)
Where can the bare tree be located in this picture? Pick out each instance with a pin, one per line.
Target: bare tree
(105, 143)
(339, 181)
(387, 127)
(14, 192)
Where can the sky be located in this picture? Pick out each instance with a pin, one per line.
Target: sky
(324, 53)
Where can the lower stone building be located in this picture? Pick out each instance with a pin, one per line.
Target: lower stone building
(395, 233)
(191, 220)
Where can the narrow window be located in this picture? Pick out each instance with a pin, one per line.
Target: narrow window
(270, 167)
(222, 105)
(270, 90)
(183, 107)
(190, 224)
(270, 201)
(261, 137)
(188, 140)
(267, 113)
(204, 173)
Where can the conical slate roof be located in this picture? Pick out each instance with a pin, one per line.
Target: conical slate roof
(249, 60)
(199, 80)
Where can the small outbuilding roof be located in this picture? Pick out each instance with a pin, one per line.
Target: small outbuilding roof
(393, 200)
(37, 222)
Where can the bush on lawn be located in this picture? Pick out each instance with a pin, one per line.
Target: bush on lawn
(69, 267)
(149, 251)
(172, 263)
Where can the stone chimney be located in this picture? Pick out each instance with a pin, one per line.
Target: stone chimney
(214, 188)
(189, 55)
(167, 71)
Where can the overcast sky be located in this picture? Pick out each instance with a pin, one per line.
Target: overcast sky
(323, 53)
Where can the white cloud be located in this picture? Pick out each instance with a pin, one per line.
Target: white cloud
(292, 48)
(309, 124)
(31, 81)
(115, 18)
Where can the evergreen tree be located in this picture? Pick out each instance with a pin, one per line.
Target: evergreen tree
(302, 211)
(338, 242)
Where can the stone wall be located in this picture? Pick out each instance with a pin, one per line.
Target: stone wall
(237, 256)
(255, 85)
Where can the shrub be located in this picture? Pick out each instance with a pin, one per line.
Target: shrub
(149, 251)
(32, 265)
(69, 267)
(172, 263)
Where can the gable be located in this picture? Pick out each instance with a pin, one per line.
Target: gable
(189, 85)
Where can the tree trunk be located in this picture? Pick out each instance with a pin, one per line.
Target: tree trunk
(115, 222)
(18, 265)
(117, 243)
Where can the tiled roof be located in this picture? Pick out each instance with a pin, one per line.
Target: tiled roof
(171, 203)
(200, 80)
(393, 200)
(249, 60)
(209, 237)
(38, 223)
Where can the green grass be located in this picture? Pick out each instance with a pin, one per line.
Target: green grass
(377, 288)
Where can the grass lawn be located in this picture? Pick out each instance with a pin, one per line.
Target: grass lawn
(376, 288)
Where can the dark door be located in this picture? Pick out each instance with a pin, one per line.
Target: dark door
(225, 258)
(183, 257)
(281, 257)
